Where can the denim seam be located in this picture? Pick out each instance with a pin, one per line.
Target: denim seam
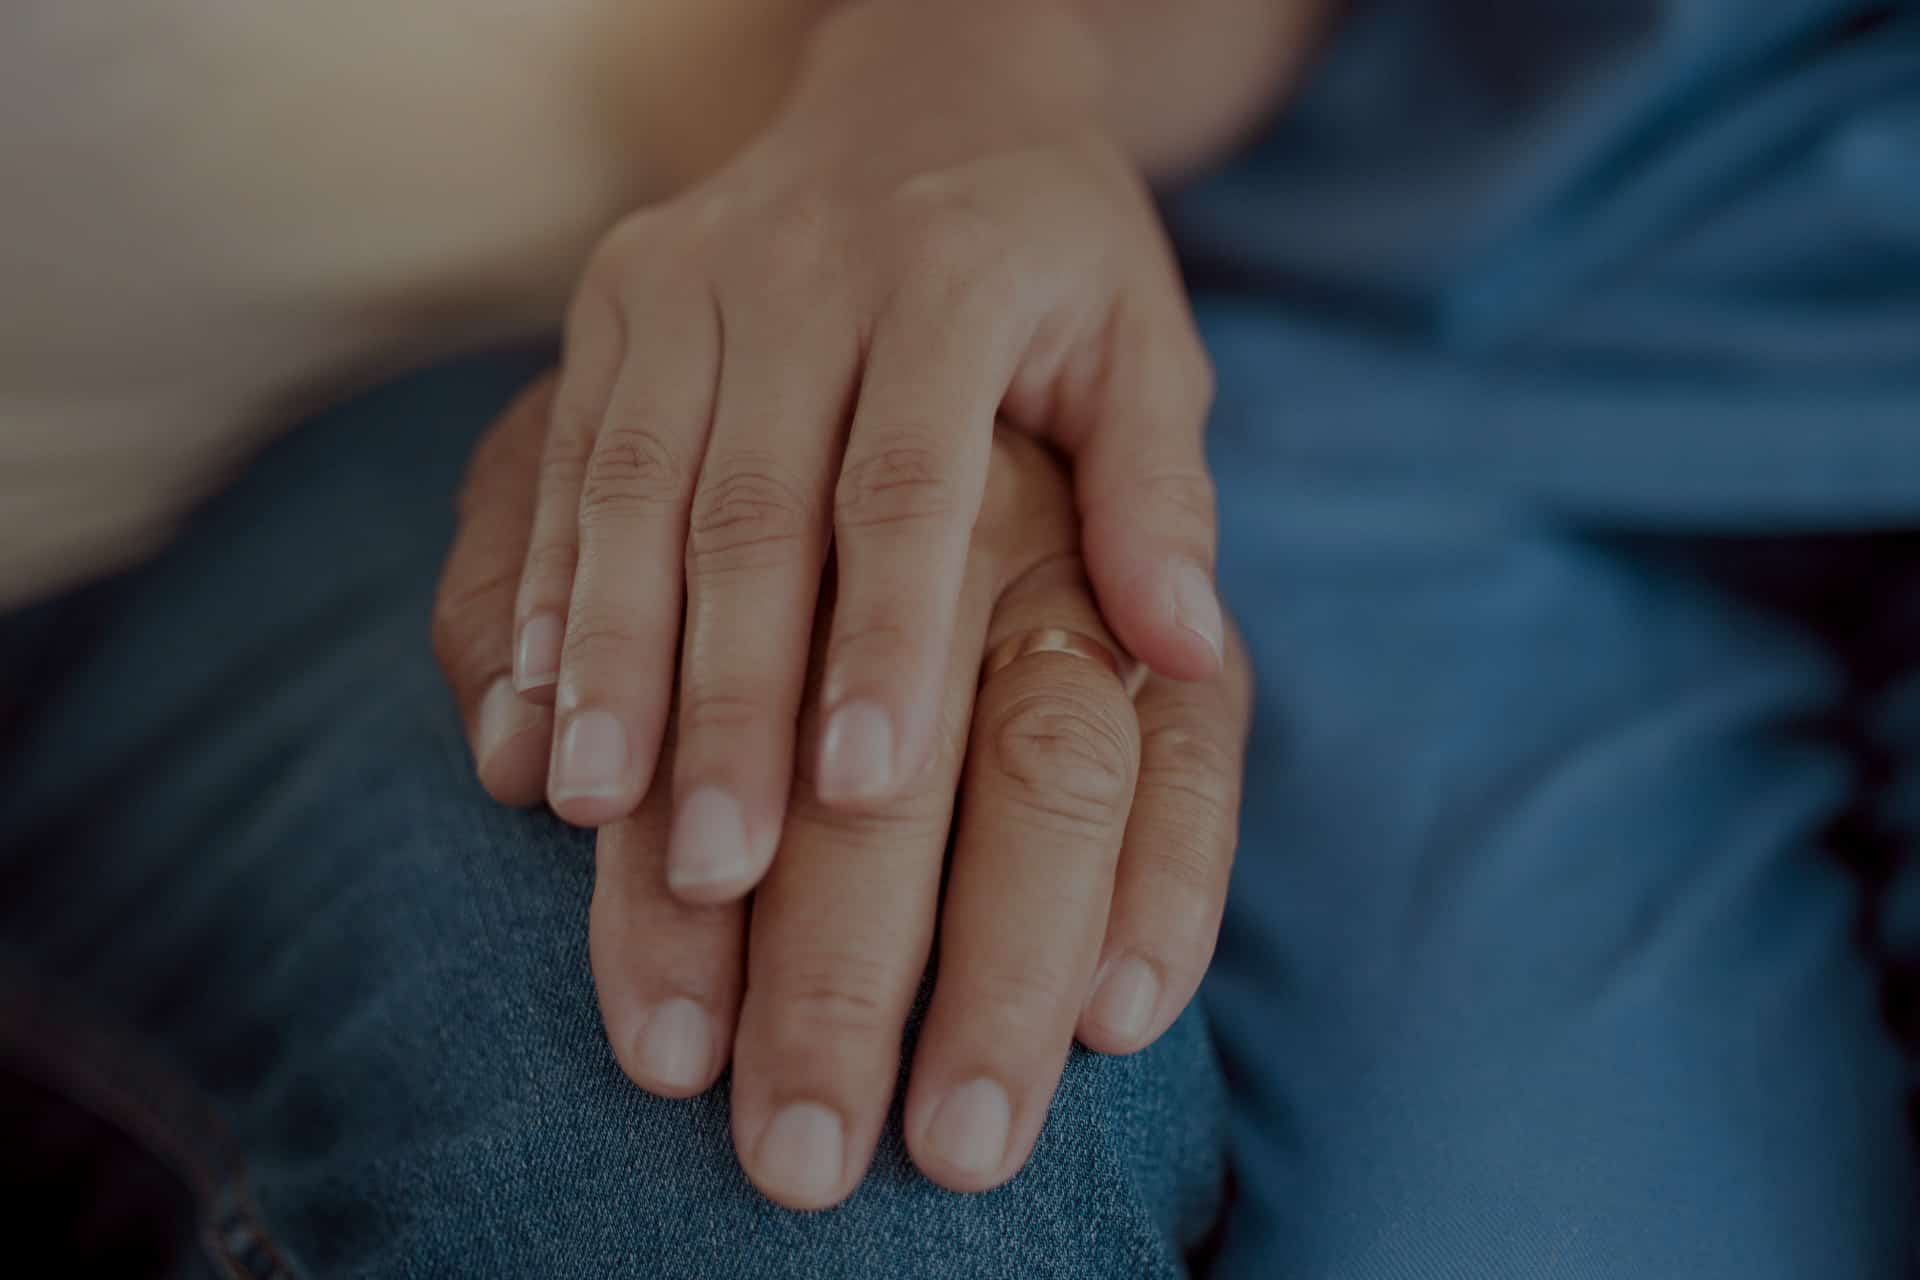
(64, 1054)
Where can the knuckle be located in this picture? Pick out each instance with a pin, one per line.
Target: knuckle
(552, 561)
(596, 643)
(866, 641)
(749, 517)
(1021, 1003)
(900, 483)
(464, 617)
(1068, 756)
(1185, 861)
(1189, 760)
(469, 605)
(633, 469)
(837, 994)
(564, 461)
(1189, 492)
(722, 713)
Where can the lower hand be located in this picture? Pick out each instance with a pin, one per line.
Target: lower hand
(1089, 866)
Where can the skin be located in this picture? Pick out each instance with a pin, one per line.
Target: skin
(802, 359)
(1088, 874)
(188, 277)
(231, 214)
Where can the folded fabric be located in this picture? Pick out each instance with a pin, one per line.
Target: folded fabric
(1654, 260)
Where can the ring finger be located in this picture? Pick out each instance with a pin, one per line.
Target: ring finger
(1049, 783)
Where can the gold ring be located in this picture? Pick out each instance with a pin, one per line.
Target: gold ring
(1130, 673)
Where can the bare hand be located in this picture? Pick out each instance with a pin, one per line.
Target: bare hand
(1088, 874)
(809, 350)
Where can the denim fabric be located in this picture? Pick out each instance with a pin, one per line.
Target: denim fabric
(1563, 938)
(1577, 867)
(257, 913)
(1646, 259)
(1577, 913)
(1569, 366)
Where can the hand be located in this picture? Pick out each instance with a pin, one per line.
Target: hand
(1087, 879)
(810, 350)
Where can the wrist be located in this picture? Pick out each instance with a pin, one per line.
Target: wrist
(907, 59)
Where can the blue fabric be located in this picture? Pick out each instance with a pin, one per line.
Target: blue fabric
(1560, 940)
(1647, 260)
(254, 909)
(1578, 904)
(1569, 418)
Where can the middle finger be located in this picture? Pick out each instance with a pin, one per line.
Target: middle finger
(838, 941)
(754, 556)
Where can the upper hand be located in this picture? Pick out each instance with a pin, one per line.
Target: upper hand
(809, 350)
(1087, 878)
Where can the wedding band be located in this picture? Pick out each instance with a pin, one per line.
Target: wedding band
(1130, 673)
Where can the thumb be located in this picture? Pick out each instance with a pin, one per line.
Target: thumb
(473, 608)
(1147, 510)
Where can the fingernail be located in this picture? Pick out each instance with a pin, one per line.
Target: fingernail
(856, 753)
(536, 659)
(675, 1046)
(1125, 997)
(1196, 607)
(504, 715)
(592, 760)
(708, 846)
(800, 1154)
(970, 1127)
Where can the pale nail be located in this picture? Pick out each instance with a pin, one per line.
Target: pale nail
(970, 1127)
(1125, 997)
(1196, 607)
(592, 760)
(800, 1154)
(536, 658)
(504, 715)
(708, 846)
(856, 753)
(676, 1045)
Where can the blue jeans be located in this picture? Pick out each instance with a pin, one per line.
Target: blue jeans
(1575, 886)
(257, 912)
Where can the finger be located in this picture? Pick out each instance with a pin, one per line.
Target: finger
(1146, 499)
(594, 344)
(667, 973)
(839, 938)
(1049, 780)
(1171, 886)
(623, 620)
(473, 608)
(909, 491)
(755, 549)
